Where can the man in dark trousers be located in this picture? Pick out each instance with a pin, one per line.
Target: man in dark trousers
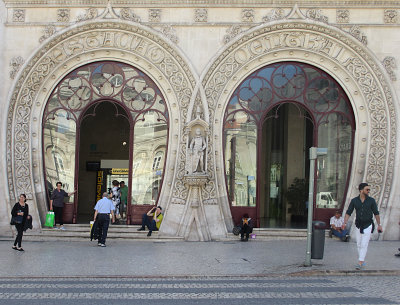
(57, 204)
(102, 212)
(365, 207)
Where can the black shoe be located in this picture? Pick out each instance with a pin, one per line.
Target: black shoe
(246, 239)
(149, 234)
(14, 247)
(141, 229)
(330, 233)
(20, 249)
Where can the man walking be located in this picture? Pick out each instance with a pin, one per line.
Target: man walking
(365, 207)
(102, 212)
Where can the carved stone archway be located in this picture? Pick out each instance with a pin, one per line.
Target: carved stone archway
(118, 40)
(337, 53)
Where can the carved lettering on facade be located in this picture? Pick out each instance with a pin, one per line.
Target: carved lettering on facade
(91, 37)
(334, 45)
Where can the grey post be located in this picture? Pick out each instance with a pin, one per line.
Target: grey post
(314, 152)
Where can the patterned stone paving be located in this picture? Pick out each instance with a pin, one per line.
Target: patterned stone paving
(201, 290)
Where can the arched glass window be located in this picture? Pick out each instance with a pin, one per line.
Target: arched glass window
(144, 108)
(262, 137)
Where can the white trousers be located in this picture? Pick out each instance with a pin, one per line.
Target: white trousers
(362, 242)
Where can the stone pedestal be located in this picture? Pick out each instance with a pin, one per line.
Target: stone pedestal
(194, 224)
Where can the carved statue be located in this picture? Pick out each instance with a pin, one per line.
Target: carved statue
(197, 147)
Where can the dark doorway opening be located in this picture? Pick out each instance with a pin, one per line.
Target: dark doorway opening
(287, 135)
(104, 135)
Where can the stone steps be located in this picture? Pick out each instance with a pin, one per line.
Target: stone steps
(79, 232)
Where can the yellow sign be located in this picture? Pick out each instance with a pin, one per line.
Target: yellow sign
(119, 171)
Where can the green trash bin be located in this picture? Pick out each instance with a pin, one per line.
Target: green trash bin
(318, 239)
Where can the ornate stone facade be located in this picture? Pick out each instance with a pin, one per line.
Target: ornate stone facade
(197, 85)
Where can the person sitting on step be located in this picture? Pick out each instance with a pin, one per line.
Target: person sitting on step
(155, 222)
(246, 227)
(336, 223)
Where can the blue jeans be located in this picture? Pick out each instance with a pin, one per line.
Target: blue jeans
(151, 224)
(341, 234)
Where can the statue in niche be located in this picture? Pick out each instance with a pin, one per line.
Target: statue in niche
(197, 147)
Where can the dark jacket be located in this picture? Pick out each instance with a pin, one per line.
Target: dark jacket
(17, 208)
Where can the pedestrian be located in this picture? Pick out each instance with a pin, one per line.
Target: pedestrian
(336, 223)
(57, 204)
(153, 224)
(365, 207)
(102, 212)
(116, 199)
(246, 227)
(19, 214)
(124, 198)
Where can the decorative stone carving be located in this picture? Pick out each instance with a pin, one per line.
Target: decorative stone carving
(18, 15)
(170, 33)
(390, 16)
(323, 42)
(91, 13)
(15, 64)
(154, 15)
(390, 64)
(48, 31)
(355, 31)
(342, 16)
(127, 14)
(200, 15)
(247, 15)
(196, 163)
(317, 15)
(63, 15)
(274, 14)
(232, 32)
(144, 46)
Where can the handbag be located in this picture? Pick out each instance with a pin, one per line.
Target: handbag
(49, 219)
(236, 230)
(16, 220)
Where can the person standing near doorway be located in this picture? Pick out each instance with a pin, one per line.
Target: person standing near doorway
(124, 198)
(365, 207)
(116, 199)
(57, 204)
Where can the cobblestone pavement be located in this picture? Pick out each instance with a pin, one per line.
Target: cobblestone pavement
(201, 290)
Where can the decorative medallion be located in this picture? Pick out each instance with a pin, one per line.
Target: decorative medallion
(18, 15)
(200, 15)
(63, 15)
(154, 15)
(390, 16)
(248, 15)
(389, 63)
(48, 31)
(342, 16)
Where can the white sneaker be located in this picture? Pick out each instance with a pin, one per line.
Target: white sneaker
(62, 228)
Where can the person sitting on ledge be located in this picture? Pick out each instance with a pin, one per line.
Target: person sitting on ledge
(336, 223)
(246, 227)
(153, 224)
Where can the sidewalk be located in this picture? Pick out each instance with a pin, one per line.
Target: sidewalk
(161, 259)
